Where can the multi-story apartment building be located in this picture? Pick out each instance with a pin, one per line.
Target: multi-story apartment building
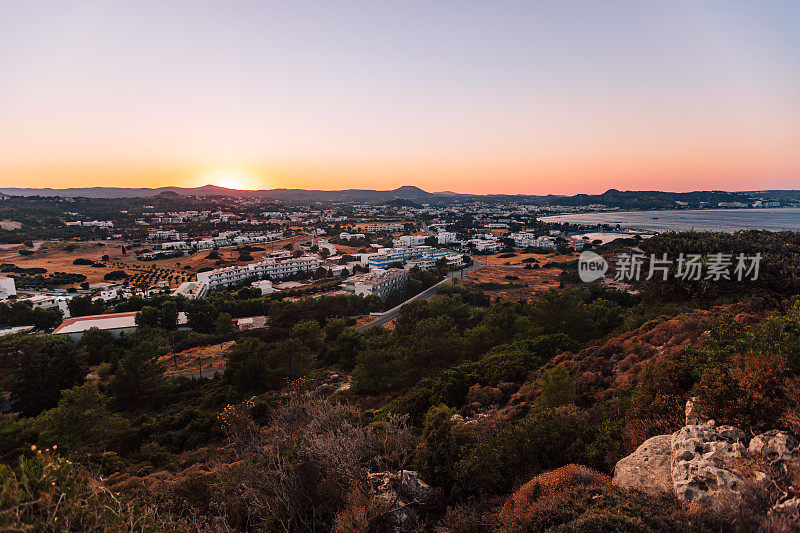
(529, 240)
(380, 283)
(164, 235)
(446, 237)
(482, 245)
(349, 236)
(375, 228)
(409, 240)
(271, 267)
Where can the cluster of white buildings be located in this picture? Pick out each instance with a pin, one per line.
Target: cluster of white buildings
(345, 236)
(424, 257)
(95, 223)
(277, 265)
(173, 240)
(529, 240)
(236, 238)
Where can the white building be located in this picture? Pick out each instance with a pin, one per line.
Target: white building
(164, 235)
(380, 283)
(7, 287)
(409, 240)
(446, 237)
(191, 289)
(375, 228)
(350, 236)
(115, 323)
(273, 268)
(46, 301)
(265, 286)
(486, 246)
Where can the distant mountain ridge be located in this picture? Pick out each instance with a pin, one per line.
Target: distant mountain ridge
(407, 192)
(410, 193)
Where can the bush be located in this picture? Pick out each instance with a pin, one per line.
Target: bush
(115, 275)
(576, 498)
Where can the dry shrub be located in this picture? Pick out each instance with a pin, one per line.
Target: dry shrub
(524, 501)
(361, 513)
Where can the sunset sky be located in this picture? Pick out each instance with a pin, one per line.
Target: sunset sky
(470, 96)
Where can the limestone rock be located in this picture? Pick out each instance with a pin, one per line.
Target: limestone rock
(774, 445)
(649, 468)
(413, 487)
(701, 454)
(691, 412)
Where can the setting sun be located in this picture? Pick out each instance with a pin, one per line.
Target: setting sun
(233, 179)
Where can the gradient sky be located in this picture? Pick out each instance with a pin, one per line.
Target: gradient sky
(470, 96)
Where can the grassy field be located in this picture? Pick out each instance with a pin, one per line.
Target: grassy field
(512, 282)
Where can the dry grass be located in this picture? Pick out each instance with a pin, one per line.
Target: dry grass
(210, 356)
(54, 258)
(528, 282)
(496, 260)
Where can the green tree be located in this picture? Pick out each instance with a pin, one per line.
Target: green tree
(98, 345)
(139, 378)
(168, 316)
(557, 386)
(148, 317)
(200, 315)
(80, 421)
(46, 366)
(224, 324)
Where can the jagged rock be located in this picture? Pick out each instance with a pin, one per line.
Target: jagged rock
(649, 468)
(384, 486)
(709, 465)
(692, 413)
(413, 487)
(774, 445)
(700, 455)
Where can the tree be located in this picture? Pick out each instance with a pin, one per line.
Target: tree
(139, 378)
(224, 324)
(558, 388)
(80, 306)
(98, 345)
(81, 420)
(148, 317)
(46, 365)
(200, 316)
(168, 316)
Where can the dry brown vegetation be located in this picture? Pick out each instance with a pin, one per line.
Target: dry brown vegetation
(526, 282)
(210, 356)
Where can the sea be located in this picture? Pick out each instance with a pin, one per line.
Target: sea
(729, 220)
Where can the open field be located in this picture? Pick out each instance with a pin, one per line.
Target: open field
(511, 282)
(9, 225)
(543, 259)
(53, 257)
(209, 356)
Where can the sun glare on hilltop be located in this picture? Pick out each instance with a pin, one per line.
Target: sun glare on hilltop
(233, 179)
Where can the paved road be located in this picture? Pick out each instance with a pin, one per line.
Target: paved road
(427, 294)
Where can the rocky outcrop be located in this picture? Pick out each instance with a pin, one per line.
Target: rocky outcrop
(705, 463)
(649, 468)
(400, 493)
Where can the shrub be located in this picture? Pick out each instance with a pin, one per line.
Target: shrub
(576, 498)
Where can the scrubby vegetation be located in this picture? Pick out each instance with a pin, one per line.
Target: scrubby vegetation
(514, 412)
